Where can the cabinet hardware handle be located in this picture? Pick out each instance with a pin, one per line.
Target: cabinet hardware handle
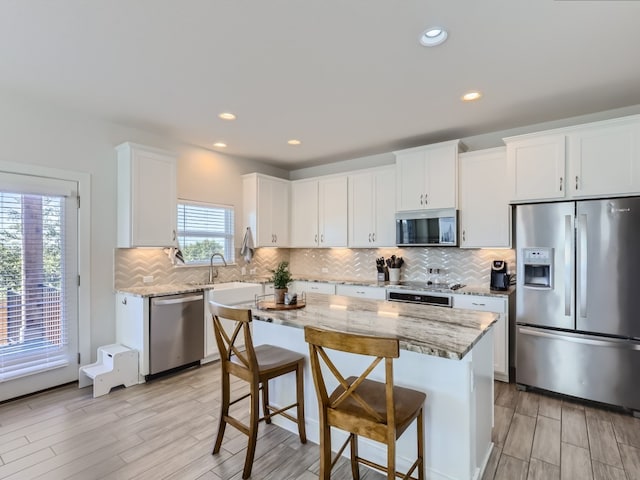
(478, 304)
(576, 182)
(464, 235)
(421, 197)
(174, 235)
(373, 237)
(322, 238)
(124, 301)
(426, 198)
(560, 183)
(359, 293)
(369, 238)
(315, 239)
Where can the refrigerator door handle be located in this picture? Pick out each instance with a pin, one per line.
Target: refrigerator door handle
(582, 255)
(578, 338)
(568, 267)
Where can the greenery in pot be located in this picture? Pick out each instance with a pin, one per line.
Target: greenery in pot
(281, 275)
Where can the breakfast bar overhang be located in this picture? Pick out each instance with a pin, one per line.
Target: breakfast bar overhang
(446, 353)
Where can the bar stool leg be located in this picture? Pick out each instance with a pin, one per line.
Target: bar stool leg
(300, 399)
(355, 470)
(420, 446)
(224, 412)
(253, 429)
(391, 458)
(325, 451)
(265, 401)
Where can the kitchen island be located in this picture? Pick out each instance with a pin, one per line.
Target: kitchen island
(446, 353)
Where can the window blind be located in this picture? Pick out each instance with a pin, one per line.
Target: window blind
(33, 281)
(204, 229)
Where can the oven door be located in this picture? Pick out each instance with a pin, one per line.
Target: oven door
(427, 228)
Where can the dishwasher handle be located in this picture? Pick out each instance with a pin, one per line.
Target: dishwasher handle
(172, 301)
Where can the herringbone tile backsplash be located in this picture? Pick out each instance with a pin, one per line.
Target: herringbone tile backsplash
(471, 267)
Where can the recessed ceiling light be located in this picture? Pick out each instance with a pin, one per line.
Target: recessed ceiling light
(227, 116)
(293, 141)
(220, 145)
(471, 96)
(433, 36)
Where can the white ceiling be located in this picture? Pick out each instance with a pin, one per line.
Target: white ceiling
(347, 77)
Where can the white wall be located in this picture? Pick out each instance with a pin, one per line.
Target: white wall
(42, 134)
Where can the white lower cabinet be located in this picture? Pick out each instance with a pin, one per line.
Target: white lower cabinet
(300, 286)
(374, 293)
(224, 295)
(132, 328)
(500, 329)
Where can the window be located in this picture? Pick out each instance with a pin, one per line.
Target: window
(204, 229)
(38, 276)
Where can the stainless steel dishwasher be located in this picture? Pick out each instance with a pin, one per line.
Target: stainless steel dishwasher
(176, 331)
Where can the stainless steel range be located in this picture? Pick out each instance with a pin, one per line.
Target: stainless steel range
(426, 293)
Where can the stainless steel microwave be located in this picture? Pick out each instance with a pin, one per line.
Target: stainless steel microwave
(427, 228)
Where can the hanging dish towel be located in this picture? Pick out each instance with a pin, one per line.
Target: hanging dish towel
(246, 250)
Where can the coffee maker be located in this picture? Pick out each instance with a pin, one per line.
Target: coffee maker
(500, 279)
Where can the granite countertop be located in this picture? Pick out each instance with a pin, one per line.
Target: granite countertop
(176, 288)
(438, 331)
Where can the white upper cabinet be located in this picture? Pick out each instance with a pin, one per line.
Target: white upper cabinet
(536, 168)
(147, 203)
(592, 160)
(485, 213)
(605, 159)
(372, 208)
(427, 177)
(319, 212)
(266, 209)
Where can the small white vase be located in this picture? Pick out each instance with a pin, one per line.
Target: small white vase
(394, 276)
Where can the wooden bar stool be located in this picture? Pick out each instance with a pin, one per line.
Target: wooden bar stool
(363, 407)
(255, 365)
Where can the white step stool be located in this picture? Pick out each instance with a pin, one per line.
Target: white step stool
(116, 365)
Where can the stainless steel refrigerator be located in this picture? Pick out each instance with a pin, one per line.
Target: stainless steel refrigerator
(578, 299)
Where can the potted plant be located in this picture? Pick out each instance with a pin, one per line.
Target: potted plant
(281, 278)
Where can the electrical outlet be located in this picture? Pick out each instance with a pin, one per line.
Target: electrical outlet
(325, 270)
(243, 271)
(252, 271)
(147, 279)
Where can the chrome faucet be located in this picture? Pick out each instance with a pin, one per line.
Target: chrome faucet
(211, 274)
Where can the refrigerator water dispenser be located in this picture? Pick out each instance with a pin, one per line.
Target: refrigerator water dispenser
(538, 267)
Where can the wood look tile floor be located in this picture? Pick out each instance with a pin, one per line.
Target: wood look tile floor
(165, 430)
(541, 437)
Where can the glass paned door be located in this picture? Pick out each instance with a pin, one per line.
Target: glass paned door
(38, 284)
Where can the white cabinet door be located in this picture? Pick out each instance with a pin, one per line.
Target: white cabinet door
(384, 233)
(332, 212)
(485, 213)
(132, 327)
(605, 160)
(374, 293)
(361, 209)
(304, 213)
(266, 209)
(372, 208)
(500, 328)
(147, 212)
(536, 168)
(442, 176)
(410, 182)
(280, 213)
(427, 177)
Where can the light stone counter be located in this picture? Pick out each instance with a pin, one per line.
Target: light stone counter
(438, 331)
